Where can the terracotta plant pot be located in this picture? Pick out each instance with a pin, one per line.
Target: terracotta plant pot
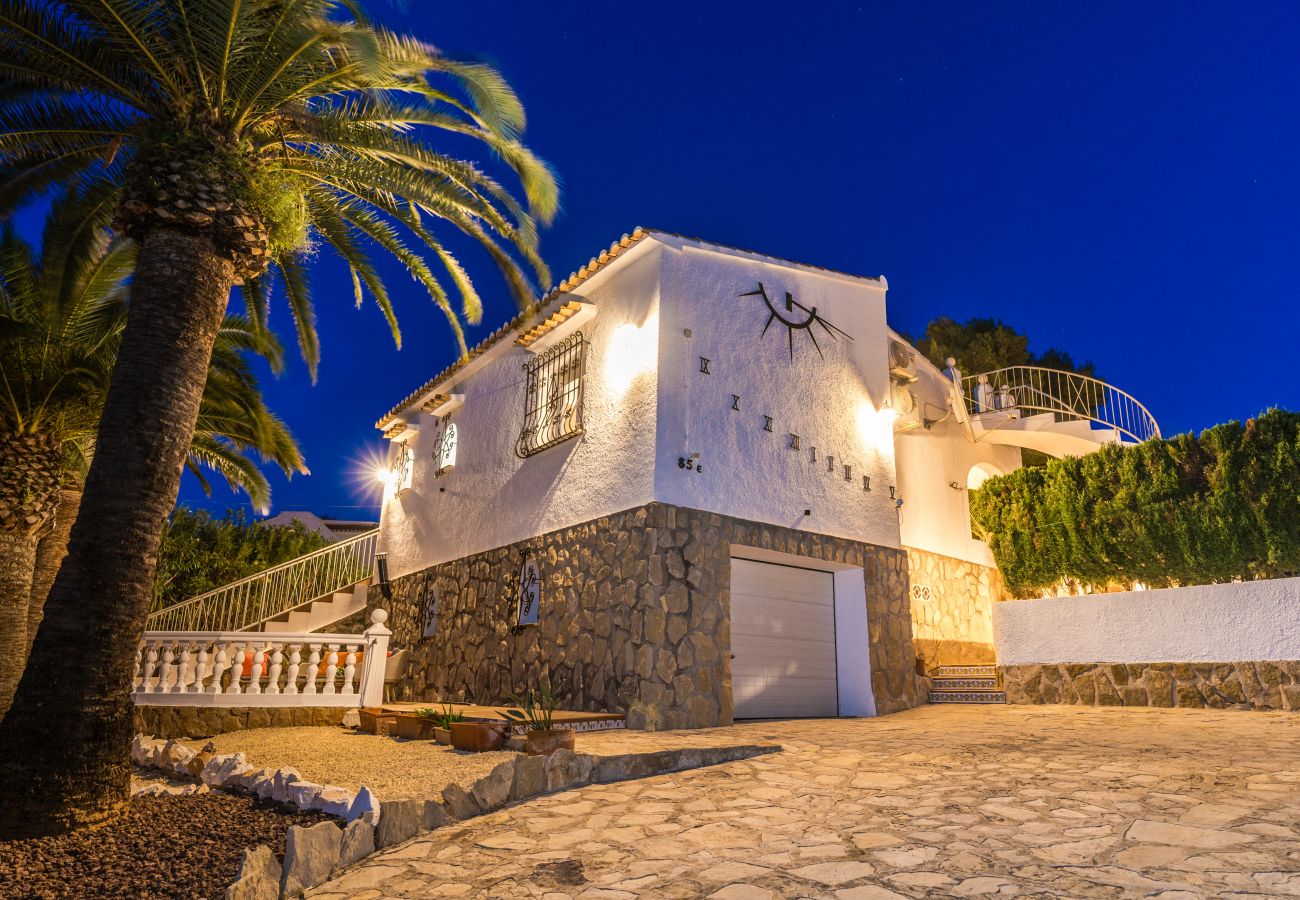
(477, 737)
(442, 735)
(416, 728)
(376, 721)
(544, 743)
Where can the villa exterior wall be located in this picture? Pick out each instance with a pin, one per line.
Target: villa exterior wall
(493, 497)
(952, 609)
(830, 395)
(634, 618)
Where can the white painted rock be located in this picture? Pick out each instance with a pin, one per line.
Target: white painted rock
(250, 779)
(352, 718)
(358, 843)
(365, 802)
(333, 801)
(259, 876)
(223, 768)
(310, 854)
(303, 794)
(175, 755)
(280, 783)
(140, 749)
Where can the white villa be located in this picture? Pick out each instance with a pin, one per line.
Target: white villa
(699, 483)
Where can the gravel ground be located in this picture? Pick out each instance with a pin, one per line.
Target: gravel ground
(392, 768)
(164, 847)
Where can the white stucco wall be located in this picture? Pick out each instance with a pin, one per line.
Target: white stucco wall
(935, 515)
(1254, 620)
(493, 497)
(830, 402)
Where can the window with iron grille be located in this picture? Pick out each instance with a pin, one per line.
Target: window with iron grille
(553, 396)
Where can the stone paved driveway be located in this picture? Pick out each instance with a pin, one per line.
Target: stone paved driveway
(936, 802)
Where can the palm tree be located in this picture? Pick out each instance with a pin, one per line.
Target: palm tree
(62, 314)
(239, 133)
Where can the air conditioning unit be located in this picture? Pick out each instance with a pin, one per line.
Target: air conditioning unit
(902, 362)
(907, 407)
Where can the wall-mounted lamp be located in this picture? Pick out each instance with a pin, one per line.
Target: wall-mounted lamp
(954, 485)
(381, 572)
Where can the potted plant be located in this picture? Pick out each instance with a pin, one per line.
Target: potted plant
(476, 737)
(536, 712)
(442, 721)
(415, 727)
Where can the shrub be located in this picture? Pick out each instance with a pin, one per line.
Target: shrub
(1216, 507)
(200, 552)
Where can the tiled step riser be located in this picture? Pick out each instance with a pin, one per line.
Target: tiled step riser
(976, 697)
(964, 684)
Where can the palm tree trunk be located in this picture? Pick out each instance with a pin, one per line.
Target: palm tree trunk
(65, 744)
(49, 556)
(17, 557)
(30, 473)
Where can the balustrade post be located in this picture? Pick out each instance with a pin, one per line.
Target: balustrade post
(277, 659)
(220, 667)
(350, 670)
(255, 677)
(168, 667)
(313, 669)
(201, 669)
(295, 664)
(376, 659)
(331, 669)
(237, 673)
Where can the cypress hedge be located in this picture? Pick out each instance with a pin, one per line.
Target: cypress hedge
(1216, 507)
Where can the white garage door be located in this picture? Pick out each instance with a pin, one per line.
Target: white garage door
(783, 641)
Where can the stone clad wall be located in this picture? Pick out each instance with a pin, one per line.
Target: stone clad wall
(634, 617)
(206, 721)
(1234, 685)
(952, 609)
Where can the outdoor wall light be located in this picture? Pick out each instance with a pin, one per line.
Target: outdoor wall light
(381, 572)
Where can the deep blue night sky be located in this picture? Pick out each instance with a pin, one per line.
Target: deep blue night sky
(1119, 180)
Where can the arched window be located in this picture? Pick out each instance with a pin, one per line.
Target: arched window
(978, 474)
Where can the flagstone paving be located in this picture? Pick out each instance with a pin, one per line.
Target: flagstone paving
(942, 801)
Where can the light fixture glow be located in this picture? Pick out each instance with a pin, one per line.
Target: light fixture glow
(876, 426)
(632, 351)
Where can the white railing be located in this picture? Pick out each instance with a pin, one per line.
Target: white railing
(1021, 390)
(240, 668)
(248, 601)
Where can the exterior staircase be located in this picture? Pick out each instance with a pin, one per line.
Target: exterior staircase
(1053, 412)
(966, 684)
(295, 597)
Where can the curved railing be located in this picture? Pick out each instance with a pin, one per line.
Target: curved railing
(276, 590)
(1068, 395)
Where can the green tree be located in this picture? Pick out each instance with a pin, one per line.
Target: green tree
(62, 312)
(238, 134)
(985, 345)
(200, 552)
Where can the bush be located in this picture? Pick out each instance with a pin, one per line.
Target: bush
(200, 552)
(1217, 507)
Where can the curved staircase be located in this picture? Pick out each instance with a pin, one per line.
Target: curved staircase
(1053, 412)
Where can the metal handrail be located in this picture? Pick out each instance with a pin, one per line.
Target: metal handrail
(1069, 396)
(273, 591)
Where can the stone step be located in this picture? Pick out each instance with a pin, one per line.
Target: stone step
(968, 697)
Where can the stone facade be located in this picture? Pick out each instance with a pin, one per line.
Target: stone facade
(1233, 685)
(952, 609)
(205, 721)
(635, 617)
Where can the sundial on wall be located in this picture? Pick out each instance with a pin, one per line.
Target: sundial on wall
(796, 317)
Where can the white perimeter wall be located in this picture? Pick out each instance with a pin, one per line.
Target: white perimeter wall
(1254, 620)
(493, 497)
(830, 402)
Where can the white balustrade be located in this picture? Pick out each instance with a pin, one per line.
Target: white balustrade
(193, 668)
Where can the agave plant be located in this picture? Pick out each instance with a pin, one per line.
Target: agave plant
(62, 312)
(234, 134)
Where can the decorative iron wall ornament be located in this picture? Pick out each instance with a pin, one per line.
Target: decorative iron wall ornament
(444, 454)
(429, 600)
(806, 324)
(553, 392)
(528, 595)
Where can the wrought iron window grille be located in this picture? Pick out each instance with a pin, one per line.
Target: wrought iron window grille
(554, 384)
